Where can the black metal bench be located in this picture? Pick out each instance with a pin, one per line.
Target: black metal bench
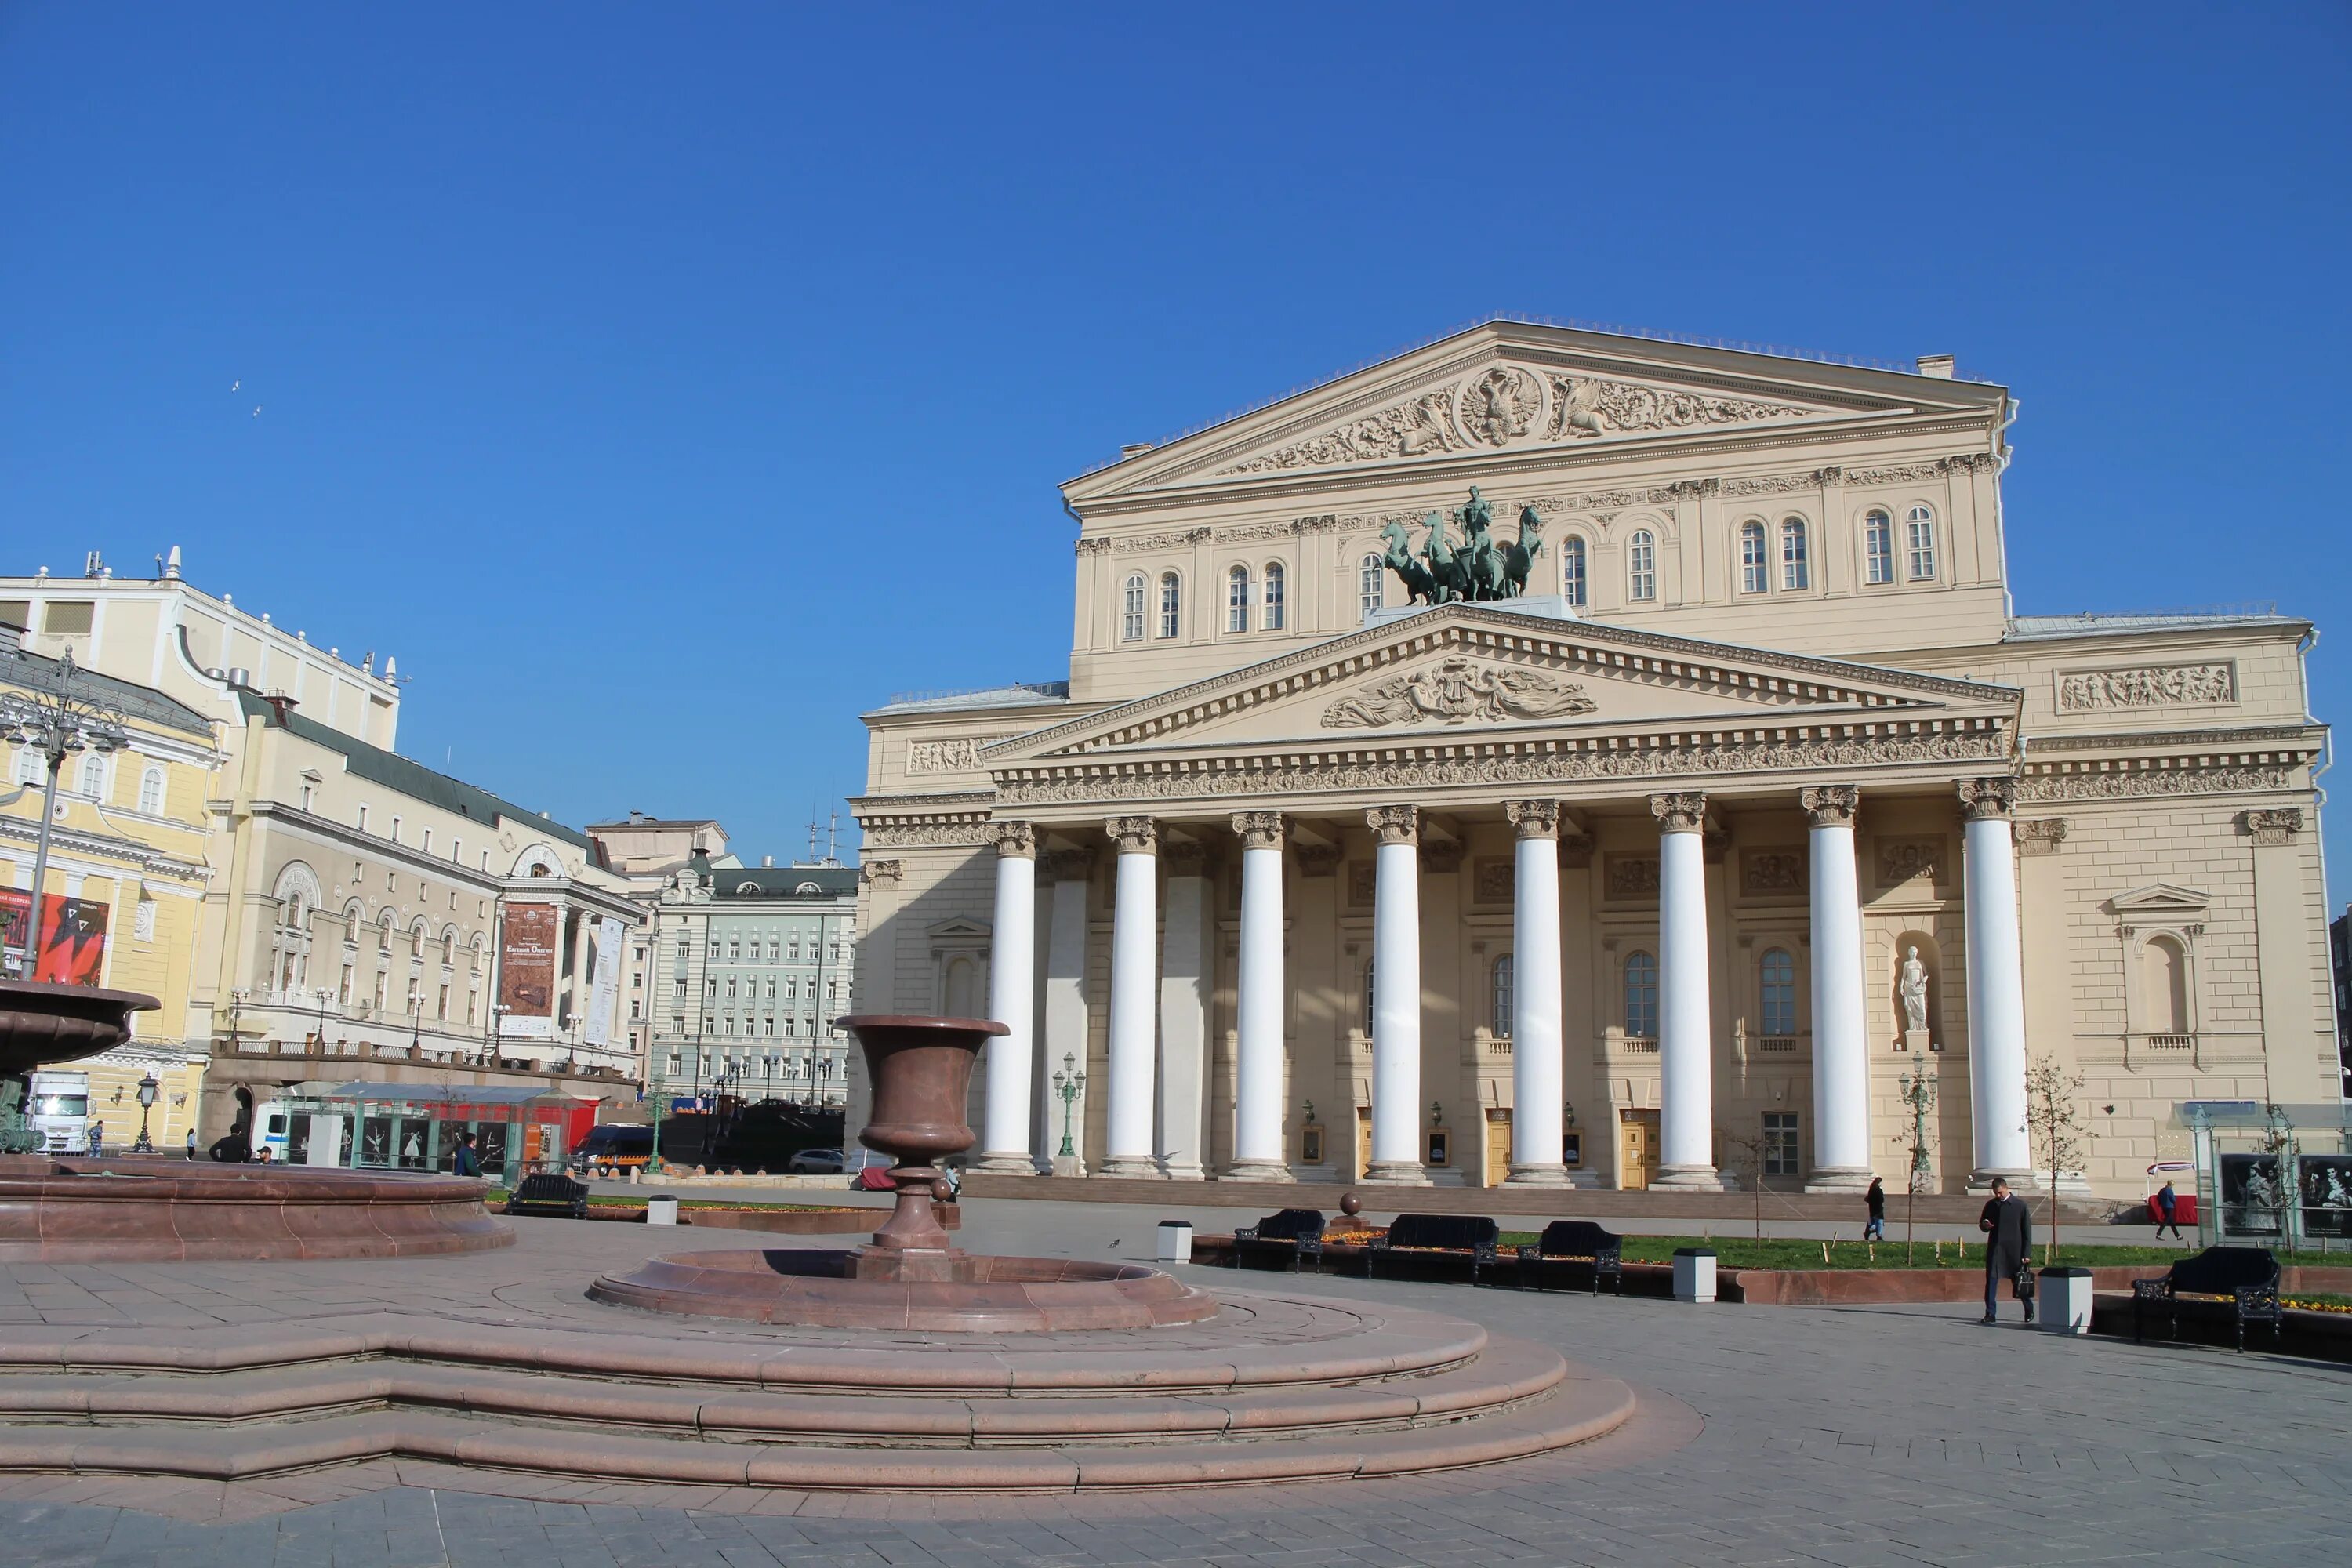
(1474, 1236)
(2246, 1277)
(559, 1196)
(1294, 1234)
(1576, 1241)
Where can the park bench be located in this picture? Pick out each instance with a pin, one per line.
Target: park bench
(2245, 1277)
(558, 1196)
(1474, 1236)
(1576, 1241)
(1295, 1234)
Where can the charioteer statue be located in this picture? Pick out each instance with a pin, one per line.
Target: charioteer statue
(1480, 568)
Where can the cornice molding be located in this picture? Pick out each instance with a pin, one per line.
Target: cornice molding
(76, 841)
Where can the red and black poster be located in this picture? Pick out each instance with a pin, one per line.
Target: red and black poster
(73, 938)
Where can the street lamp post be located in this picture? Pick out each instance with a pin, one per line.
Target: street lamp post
(1069, 1082)
(55, 726)
(148, 1088)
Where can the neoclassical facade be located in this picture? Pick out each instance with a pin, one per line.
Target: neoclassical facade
(1749, 805)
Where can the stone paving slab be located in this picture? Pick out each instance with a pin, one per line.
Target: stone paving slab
(1898, 1436)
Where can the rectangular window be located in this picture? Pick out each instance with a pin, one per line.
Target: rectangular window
(395, 830)
(1237, 600)
(1781, 1144)
(68, 618)
(364, 819)
(1794, 573)
(1878, 548)
(1752, 577)
(1922, 534)
(1131, 614)
(1571, 572)
(17, 613)
(1171, 606)
(1641, 566)
(1273, 593)
(428, 841)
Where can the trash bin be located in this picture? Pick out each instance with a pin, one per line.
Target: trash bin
(1175, 1241)
(2065, 1304)
(1695, 1274)
(661, 1208)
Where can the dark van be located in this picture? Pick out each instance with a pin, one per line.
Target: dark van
(614, 1147)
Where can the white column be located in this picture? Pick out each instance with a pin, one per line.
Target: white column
(1066, 1013)
(1011, 1000)
(1257, 1081)
(1996, 984)
(1184, 1014)
(1535, 1066)
(1396, 997)
(1840, 1038)
(1134, 963)
(1685, 1018)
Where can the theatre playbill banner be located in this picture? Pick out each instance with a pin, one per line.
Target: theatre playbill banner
(73, 939)
(528, 948)
(605, 984)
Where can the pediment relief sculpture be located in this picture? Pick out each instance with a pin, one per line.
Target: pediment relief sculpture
(1459, 690)
(1505, 405)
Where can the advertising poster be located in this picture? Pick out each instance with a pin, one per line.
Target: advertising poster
(2326, 1194)
(73, 938)
(528, 947)
(605, 985)
(2252, 1204)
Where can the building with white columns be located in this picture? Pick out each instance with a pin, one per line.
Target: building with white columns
(1753, 803)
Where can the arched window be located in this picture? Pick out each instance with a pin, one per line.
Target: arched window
(293, 942)
(1641, 565)
(1505, 1002)
(1237, 601)
(1171, 619)
(384, 938)
(1779, 992)
(1877, 548)
(1794, 570)
(1572, 571)
(1919, 538)
(151, 792)
(93, 776)
(1754, 576)
(1640, 996)
(1371, 586)
(1131, 619)
(1274, 585)
(2164, 986)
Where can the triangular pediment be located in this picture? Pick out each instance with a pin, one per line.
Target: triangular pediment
(1466, 673)
(2161, 898)
(1508, 389)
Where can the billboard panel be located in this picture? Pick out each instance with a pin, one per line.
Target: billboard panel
(605, 984)
(73, 938)
(529, 943)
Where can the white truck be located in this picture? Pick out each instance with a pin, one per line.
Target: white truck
(57, 1107)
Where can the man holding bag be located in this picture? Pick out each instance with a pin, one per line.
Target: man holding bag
(2007, 1227)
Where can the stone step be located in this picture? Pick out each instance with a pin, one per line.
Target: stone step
(1574, 1410)
(1510, 1373)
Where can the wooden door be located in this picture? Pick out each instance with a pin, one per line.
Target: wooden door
(1363, 1141)
(1498, 1147)
(1637, 1149)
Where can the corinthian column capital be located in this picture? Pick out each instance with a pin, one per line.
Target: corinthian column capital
(1534, 818)
(1134, 834)
(1987, 797)
(1014, 840)
(1259, 829)
(1681, 813)
(1395, 823)
(1829, 805)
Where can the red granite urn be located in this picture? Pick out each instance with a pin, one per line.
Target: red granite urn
(921, 1072)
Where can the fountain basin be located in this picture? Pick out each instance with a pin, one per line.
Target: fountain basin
(822, 1288)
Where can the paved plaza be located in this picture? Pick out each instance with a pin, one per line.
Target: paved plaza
(1765, 1435)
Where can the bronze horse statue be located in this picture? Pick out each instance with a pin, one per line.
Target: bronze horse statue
(1519, 556)
(1481, 569)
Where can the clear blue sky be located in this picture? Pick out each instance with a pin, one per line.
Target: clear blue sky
(665, 384)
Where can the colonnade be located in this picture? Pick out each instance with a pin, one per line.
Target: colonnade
(1842, 1140)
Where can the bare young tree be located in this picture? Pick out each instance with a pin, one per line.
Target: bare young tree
(2056, 1127)
(1750, 1148)
(1918, 1098)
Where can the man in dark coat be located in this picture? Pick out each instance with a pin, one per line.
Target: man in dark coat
(2007, 1227)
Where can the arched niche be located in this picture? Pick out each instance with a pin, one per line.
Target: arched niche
(1931, 960)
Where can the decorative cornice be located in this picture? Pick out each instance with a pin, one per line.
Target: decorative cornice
(915, 821)
(1987, 798)
(1259, 829)
(1134, 834)
(1014, 840)
(1534, 818)
(146, 861)
(2276, 827)
(1395, 823)
(1829, 805)
(1681, 812)
(2126, 778)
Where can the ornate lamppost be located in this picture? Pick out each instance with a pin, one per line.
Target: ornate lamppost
(1069, 1083)
(148, 1088)
(54, 726)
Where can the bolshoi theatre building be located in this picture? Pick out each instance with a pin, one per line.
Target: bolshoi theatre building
(1564, 758)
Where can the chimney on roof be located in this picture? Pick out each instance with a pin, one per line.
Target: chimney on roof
(1938, 365)
(767, 861)
(172, 565)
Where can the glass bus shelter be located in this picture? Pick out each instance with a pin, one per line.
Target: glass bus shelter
(2273, 1175)
(517, 1128)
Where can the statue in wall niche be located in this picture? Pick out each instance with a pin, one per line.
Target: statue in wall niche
(1913, 984)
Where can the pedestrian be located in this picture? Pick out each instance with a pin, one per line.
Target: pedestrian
(1876, 1197)
(2007, 1227)
(467, 1162)
(192, 1143)
(97, 1138)
(2167, 1205)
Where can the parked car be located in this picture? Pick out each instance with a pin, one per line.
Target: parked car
(616, 1146)
(815, 1162)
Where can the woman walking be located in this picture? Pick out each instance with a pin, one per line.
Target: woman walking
(1876, 1197)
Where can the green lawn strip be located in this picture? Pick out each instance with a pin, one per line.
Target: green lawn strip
(2320, 1299)
(1731, 1252)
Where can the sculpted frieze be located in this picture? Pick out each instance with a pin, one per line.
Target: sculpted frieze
(1459, 691)
(1421, 425)
(2128, 785)
(926, 835)
(954, 754)
(2147, 686)
(1588, 407)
